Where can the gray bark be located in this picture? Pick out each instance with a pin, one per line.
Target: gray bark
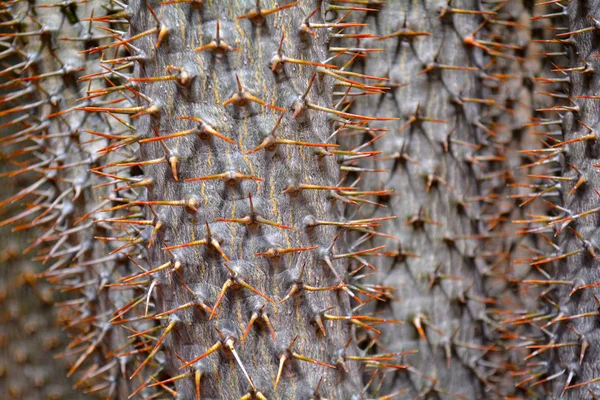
(453, 240)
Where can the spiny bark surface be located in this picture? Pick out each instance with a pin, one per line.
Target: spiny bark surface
(248, 252)
(213, 260)
(452, 69)
(48, 140)
(222, 93)
(565, 341)
(582, 205)
(29, 334)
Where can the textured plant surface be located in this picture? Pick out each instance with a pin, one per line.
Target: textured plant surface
(563, 343)
(55, 152)
(29, 336)
(252, 250)
(303, 199)
(191, 195)
(457, 77)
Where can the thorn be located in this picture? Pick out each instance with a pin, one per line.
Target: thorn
(278, 252)
(253, 218)
(231, 177)
(242, 97)
(208, 240)
(257, 16)
(236, 281)
(203, 130)
(156, 347)
(289, 354)
(208, 352)
(217, 45)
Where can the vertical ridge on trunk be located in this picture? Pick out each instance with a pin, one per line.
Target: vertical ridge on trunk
(212, 258)
(29, 333)
(54, 144)
(455, 73)
(563, 343)
(221, 91)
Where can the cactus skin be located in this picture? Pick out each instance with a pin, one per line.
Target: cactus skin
(202, 268)
(568, 277)
(449, 311)
(452, 242)
(29, 334)
(581, 269)
(126, 325)
(40, 121)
